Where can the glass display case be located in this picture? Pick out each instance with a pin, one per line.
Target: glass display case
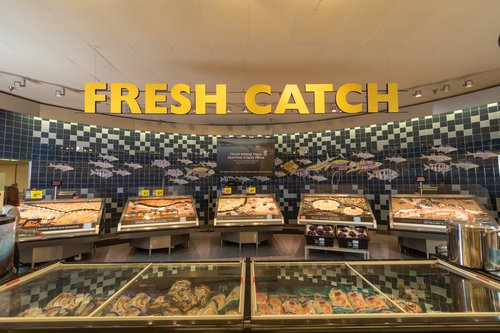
(247, 210)
(345, 209)
(7, 240)
(158, 213)
(429, 213)
(59, 218)
(371, 293)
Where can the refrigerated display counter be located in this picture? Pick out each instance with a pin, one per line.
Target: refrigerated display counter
(157, 223)
(7, 241)
(247, 219)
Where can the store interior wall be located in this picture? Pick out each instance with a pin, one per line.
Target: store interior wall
(48, 143)
(16, 172)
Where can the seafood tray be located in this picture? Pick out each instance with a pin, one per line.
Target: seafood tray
(247, 210)
(319, 235)
(353, 237)
(164, 212)
(335, 208)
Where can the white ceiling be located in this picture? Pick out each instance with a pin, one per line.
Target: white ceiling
(243, 42)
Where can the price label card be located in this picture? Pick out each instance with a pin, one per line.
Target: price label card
(251, 190)
(421, 179)
(144, 193)
(38, 194)
(228, 190)
(357, 219)
(158, 193)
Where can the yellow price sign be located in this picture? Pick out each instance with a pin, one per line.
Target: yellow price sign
(158, 193)
(37, 194)
(251, 190)
(228, 190)
(144, 193)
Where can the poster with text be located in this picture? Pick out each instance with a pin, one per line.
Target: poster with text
(245, 156)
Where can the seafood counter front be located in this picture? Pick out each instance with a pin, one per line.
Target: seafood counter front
(252, 295)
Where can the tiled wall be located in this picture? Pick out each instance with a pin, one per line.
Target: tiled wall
(470, 130)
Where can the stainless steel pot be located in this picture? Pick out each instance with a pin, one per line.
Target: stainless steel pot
(464, 242)
(491, 248)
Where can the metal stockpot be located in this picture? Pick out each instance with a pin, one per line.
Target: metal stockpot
(491, 248)
(464, 242)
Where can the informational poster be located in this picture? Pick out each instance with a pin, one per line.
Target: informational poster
(245, 156)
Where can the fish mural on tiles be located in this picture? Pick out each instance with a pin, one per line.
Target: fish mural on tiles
(397, 159)
(363, 156)
(134, 166)
(174, 173)
(103, 173)
(191, 177)
(303, 151)
(209, 164)
(482, 154)
(200, 172)
(444, 149)
(61, 167)
(279, 174)
(304, 161)
(340, 165)
(277, 162)
(179, 181)
(383, 174)
(364, 166)
(243, 179)
(437, 167)
(302, 173)
(160, 163)
(465, 165)
(184, 161)
(318, 178)
(102, 164)
(436, 158)
(321, 165)
(262, 178)
(109, 158)
(290, 166)
(122, 173)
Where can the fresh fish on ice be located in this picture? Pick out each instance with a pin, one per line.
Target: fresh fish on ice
(304, 161)
(280, 174)
(384, 174)
(262, 178)
(174, 173)
(363, 156)
(437, 167)
(483, 154)
(190, 177)
(318, 178)
(185, 161)
(444, 149)
(122, 172)
(179, 181)
(62, 167)
(301, 173)
(160, 163)
(277, 161)
(133, 165)
(209, 164)
(109, 158)
(397, 159)
(436, 158)
(465, 165)
(103, 173)
(101, 164)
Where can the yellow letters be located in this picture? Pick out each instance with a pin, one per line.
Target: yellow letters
(184, 103)
(152, 98)
(291, 90)
(374, 97)
(117, 98)
(251, 95)
(91, 97)
(202, 99)
(341, 98)
(319, 95)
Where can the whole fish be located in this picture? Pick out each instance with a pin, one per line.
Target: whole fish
(103, 173)
(318, 178)
(304, 161)
(200, 171)
(185, 161)
(483, 154)
(290, 166)
(465, 165)
(364, 166)
(277, 161)
(444, 149)
(436, 158)
(280, 174)
(174, 173)
(101, 164)
(262, 178)
(160, 163)
(209, 164)
(109, 158)
(243, 179)
(301, 173)
(190, 177)
(397, 159)
(122, 172)
(437, 167)
(62, 167)
(179, 181)
(384, 174)
(320, 165)
(133, 165)
(363, 156)
(340, 164)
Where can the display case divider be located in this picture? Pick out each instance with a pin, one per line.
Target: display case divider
(118, 292)
(375, 288)
(247, 314)
(30, 276)
(468, 274)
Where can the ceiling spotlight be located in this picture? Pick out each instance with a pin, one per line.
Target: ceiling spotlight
(61, 92)
(245, 110)
(20, 84)
(445, 87)
(333, 108)
(229, 109)
(468, 83)
(417, 93)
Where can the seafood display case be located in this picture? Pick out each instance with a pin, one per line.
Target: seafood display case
(429, 213)
(344, 209)
(366, 295)
(59, 218)
(158, 213)
(7, 241)
(99, 296)
(247, 210)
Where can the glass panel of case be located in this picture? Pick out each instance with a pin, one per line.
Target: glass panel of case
(181, 290)
(68, 290)
(314, 289)
(431, 288)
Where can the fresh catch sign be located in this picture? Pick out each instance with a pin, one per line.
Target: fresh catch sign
(291, 99)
